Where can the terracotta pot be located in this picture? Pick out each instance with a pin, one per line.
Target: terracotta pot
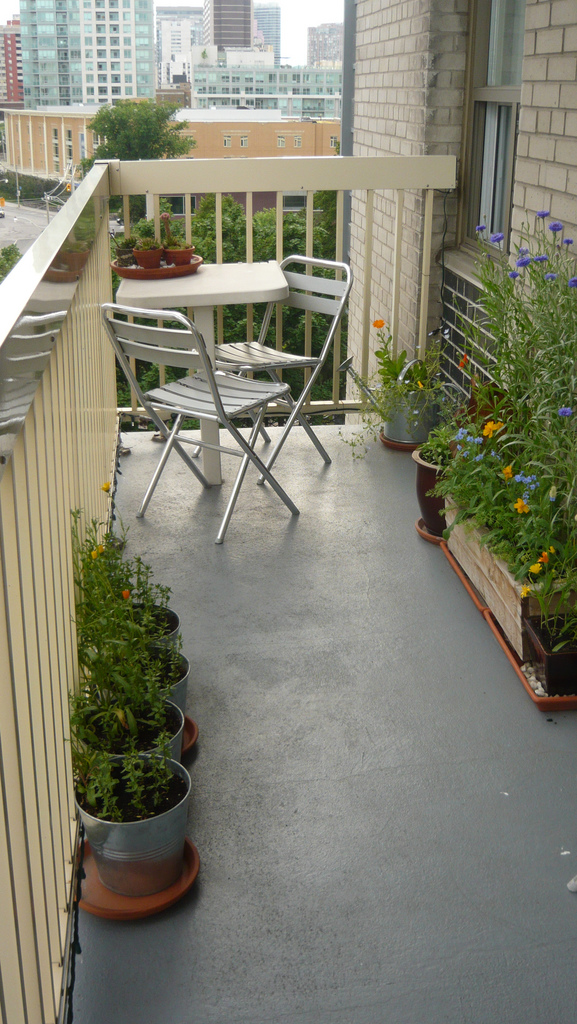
(75, 261)
(178, 257)
(429, 504)
(148, 258)
(556, 670)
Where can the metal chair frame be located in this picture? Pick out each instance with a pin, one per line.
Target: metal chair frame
(317, 294)
(206, 394)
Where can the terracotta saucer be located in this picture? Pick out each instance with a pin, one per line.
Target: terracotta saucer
(190, 734)
(425, 533)
(102, 902)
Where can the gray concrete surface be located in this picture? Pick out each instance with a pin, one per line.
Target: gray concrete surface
(386, 823)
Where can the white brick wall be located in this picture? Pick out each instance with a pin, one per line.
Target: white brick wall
(545, 170)
(409, 94)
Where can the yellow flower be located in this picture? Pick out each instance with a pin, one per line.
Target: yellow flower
(520, 506)
(419, 383)
(94, 553)
(378, 324)
(100, 548)
(535, 568)
(551, 549)
(106, 486)
(525, 591)
(508, 472)
(490, 428)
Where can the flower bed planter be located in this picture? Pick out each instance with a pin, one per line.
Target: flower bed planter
(497, 587)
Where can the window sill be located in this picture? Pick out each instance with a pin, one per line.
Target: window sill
(463, 263)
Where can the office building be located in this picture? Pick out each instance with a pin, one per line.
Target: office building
(267, 20)
(98, 53)
(178, 35)
(11, 63)
(228, 22)
(325, 46)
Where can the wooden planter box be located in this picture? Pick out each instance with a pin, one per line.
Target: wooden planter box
(495, 584)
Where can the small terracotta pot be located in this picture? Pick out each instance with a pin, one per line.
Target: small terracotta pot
(178, 257)
(148, 258)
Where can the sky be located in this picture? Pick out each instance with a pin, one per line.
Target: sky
(296, 17)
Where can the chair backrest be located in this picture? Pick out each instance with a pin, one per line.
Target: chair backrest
(326, 295)
(183, 347)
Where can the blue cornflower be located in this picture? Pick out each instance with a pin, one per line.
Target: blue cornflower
(480, 456)
(550, 277)
(555, 226)
(459, 447)
(497, 237)
(567, 241)
(513, 274)
(477, 440)
(461, 433)
(541, 259)
(565, 411)
(465, 454)
(481, 227)
(524, 261)
(526, 497)
(542, 214)
(519, 478)
(572, 282)
(523, 251)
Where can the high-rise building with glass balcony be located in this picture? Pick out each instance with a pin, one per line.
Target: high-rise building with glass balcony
(267, 18)
(87, 51)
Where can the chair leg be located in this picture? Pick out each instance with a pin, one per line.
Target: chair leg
(251, 456)
(296, 414)
(171, 442)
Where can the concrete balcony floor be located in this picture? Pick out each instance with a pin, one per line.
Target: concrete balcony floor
(385, 821)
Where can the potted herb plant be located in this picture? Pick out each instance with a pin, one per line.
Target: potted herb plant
(134, 810)
(123, 249)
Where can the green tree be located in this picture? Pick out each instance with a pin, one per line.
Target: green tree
(139, 131)
(9, 257)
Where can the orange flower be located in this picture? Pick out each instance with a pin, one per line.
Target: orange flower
(544, 558)
(508, 472)
(464, 360)
(520, 506)
(378, 324)
(126, 594)
(490, 428)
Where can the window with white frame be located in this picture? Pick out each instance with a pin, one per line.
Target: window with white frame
(298, 141)
(280, 141)
(227, 141)
(243, 141)
(496, 92)
(333, 141)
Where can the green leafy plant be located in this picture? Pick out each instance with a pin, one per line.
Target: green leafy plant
(125, 670)
(172, 239)
(146, 244)
(439, 446)
(515, 466)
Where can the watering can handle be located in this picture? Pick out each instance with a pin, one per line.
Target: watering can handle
(407, 366)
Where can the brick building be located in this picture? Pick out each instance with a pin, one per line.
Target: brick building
(492, 82)
(11, 63)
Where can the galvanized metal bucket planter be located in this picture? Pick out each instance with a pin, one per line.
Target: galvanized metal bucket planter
(139, 858)
(179, 689)
(413, 421)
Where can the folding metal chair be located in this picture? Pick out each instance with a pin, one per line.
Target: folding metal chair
(325, 295)
(205, 395)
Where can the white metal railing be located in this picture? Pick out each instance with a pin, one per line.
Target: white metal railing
(363, 176)
(55, 458)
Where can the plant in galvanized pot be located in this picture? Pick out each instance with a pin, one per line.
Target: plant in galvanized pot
(134, 810)
(405, 399)
(123, 249)
(515, 467)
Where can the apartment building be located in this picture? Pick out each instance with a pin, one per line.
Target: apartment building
(228, 22)
(325, 45)
(11, 63)
(98, 52)
(296, 92)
